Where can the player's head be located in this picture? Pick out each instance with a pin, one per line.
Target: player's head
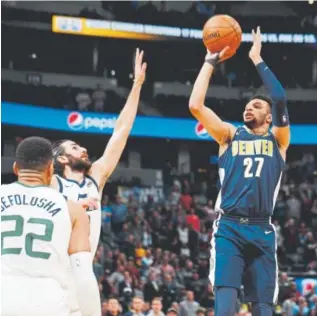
(34, 159)
(257, 112)
(68, 153)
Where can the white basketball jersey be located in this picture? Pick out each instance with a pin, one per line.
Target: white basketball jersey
(75, 191)
(35, 231)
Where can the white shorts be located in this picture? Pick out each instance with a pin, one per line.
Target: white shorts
(26, 296)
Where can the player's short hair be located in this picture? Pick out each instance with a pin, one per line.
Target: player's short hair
(58, 150)
(34, 153)
(263, 97)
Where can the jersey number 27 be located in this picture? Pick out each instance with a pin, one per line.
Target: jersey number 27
(253, 167)
(29, 238)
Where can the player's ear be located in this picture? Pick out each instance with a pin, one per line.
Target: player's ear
(62, 159)
(269, 118)
(15, 168)
(50, 172)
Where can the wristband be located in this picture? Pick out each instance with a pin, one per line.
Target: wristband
(213, 59)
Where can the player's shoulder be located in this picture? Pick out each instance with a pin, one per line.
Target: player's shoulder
(240, 130)
(90, 181)
(7, 187)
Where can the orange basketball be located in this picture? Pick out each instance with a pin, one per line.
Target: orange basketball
(221, 31)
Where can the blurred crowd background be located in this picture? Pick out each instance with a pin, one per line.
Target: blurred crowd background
(153, 257)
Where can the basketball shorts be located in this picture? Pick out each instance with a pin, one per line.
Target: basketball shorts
(26, 296)
(244, 253)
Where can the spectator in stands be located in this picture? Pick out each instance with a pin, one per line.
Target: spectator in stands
(117, 277)
(137, 307)
(210, 312)
(104, 307)
(189, 306)
(193, 220)
(119, 213)
(169, 291)
(291, 236)
(207, 298)
(126, 290)
(294, 207)
(83, 100)
(186, 200)
(106, 216)
(152, 288)
(284, 284)
(171, 312)
(156, 307)
(97, 266)
(201, 311)
(301, 309)
(114, 308)
(99, 98)
(128, 247)
(289, 305)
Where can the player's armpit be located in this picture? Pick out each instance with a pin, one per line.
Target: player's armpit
(282, 136)
(221, 131)
(79, 241)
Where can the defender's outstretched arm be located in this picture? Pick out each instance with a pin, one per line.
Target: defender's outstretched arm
(105, 165)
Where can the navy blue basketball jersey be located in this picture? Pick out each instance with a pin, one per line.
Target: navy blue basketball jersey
(250, 172)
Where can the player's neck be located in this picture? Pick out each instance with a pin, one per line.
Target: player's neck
(261, 130)
(31, 178)
(75, 175)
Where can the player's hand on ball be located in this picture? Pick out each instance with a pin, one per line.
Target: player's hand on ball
(139, 67)
(218, 57)
(255, 50)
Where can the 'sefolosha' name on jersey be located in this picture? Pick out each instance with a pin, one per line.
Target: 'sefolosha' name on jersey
(26, 200)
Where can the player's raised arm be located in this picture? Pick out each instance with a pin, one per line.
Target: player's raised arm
(280, 119)
(104, 166)
(81, 262)
(221, 131)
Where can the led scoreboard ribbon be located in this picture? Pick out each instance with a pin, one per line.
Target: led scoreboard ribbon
(104, 28)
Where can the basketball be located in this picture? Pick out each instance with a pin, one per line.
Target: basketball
(221, 31)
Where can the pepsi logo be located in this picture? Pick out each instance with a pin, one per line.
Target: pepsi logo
(75, 121)
(201, 131)
(308, 285)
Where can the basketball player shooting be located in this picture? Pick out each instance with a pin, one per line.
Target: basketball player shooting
(77, 178)
(251, 161)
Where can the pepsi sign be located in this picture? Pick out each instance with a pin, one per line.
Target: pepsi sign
(201, 131)
(144, 126)
(76, 121)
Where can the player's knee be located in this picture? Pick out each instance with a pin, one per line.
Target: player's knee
(226, 309)
(262, 309)
(226, 299)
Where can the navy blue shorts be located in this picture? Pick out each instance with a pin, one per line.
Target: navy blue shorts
(244, 253)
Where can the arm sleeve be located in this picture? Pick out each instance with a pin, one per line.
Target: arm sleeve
(86, 284)
(280, 116)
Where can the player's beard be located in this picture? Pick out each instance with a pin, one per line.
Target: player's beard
(251, 124)
(254, 123)
(79, 164)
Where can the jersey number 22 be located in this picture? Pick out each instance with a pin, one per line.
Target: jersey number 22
(29, 238)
